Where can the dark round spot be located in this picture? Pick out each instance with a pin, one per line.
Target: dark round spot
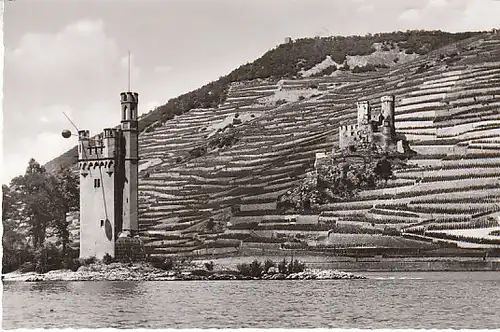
(108, 229)
(66, 133)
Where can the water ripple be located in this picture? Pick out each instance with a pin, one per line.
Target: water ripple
(412, 300)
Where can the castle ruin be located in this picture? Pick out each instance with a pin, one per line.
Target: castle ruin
(373, 131)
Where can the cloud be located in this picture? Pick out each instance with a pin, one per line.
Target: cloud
(41, 148)
(412, 15)
(77, 70)
(437, 4)
(80, 70)
(45, 141)
(80, 48)
(451, 15)
(162, 69)
(480, 15)
(366, 8)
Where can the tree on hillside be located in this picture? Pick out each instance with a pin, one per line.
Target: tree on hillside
(67, 198)
(15, 247)
(69, 187)
(329, 184)
(16, 250)
(383, 169)
(7, 202)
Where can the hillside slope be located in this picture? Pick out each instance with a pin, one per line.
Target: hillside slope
(210, 177)
(290, 61)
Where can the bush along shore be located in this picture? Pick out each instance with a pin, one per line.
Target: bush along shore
(169, 270)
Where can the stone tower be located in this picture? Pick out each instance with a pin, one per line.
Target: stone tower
(387, 112)
(388, 128)
(364, 121)
(98, 180)
(108, 167)
(128, 244)
(130, 147)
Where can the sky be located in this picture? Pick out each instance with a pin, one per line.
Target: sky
(72, 55)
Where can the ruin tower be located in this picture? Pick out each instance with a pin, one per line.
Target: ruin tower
(364, 118)
(342, 136)
(130, 153)
(363, 108)
(388, 113)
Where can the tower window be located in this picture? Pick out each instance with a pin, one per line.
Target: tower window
(97, 183)
(133, 112)
(102, 222)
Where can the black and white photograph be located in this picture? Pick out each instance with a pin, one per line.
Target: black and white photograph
(262, 164)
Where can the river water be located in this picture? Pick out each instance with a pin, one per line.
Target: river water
(386, 300)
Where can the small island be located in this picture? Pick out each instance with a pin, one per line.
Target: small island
(173, 270)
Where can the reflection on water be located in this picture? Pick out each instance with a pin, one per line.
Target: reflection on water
(49, 287)
(398, 300)
(122, 289)
(117, 289)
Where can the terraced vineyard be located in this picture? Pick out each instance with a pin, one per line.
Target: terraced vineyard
(210, 178)
(451, 116)
(449, 112)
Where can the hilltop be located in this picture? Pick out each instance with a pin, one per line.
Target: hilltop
(215, 161)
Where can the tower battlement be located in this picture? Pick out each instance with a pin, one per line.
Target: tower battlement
(96, 148)
(364, 115)
(128, 96)
(110, 133)
(129, 102)
(83, 134)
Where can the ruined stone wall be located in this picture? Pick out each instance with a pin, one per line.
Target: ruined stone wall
(348, 135)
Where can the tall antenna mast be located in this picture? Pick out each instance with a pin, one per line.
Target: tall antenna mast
(129, 69)
(74, 125)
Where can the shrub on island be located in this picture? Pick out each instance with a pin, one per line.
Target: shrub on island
(162, 263)
(107, 259)
(88, 261)
(209, 266)
(257, 269)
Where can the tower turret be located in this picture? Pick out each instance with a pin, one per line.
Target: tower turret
(130, 153)
(363, 112)
(109, 142)
(364, 122)
(387, 111)
(83, 144)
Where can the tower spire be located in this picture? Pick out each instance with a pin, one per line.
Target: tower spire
(129, 70)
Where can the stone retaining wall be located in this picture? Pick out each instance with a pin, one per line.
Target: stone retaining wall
(406, 266)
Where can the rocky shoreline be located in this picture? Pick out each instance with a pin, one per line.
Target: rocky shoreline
(146, 272)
